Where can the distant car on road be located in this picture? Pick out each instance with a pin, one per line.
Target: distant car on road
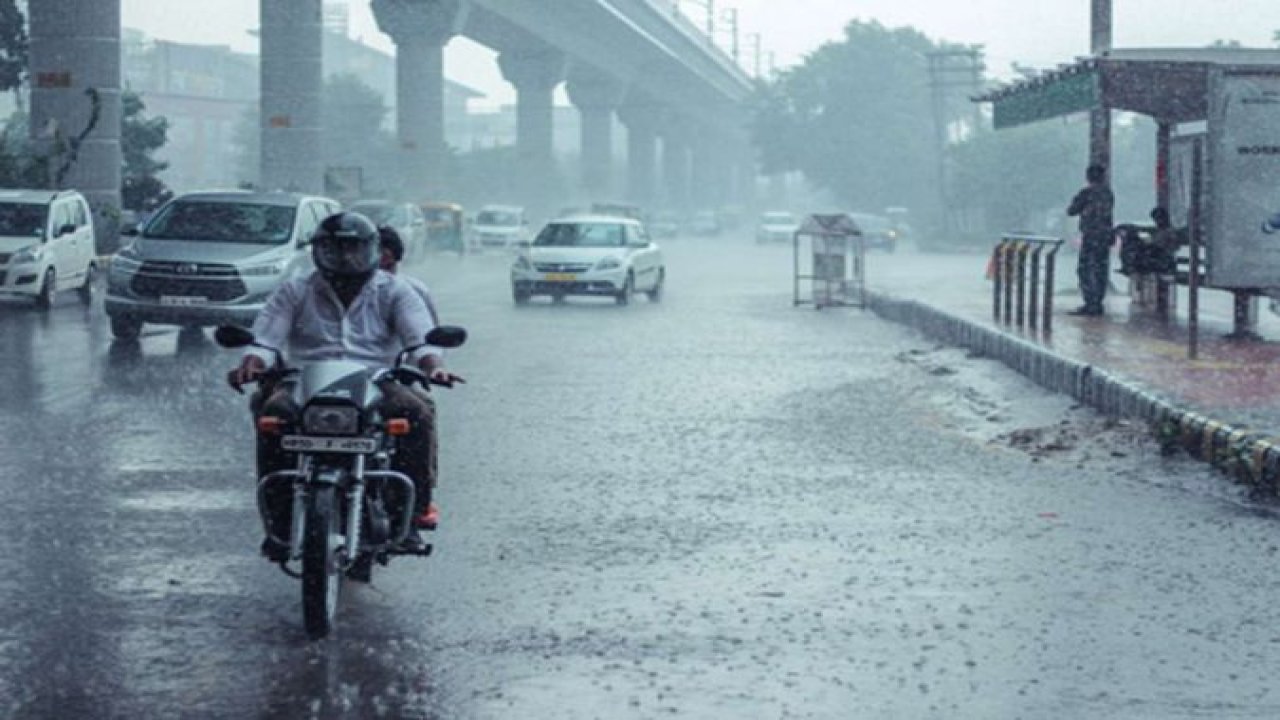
(406, 218)
(776, 226)
(706, 222)
(46, 245)
(590, 255)
(500, 226)
(211, 258)
(877, 231)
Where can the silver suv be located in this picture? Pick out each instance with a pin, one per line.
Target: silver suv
(210, 258)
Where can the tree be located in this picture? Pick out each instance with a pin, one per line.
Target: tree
(140, 138)
(855, 119)
(354, 136)
(13, 46)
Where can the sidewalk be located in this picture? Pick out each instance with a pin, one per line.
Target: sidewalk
(1225, 405)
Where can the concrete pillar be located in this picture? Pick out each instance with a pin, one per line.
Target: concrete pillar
(292, 80)
(597, 96)
(75, 58)
(642, 117)
(535, 71)
(420, 32)
(675, 165)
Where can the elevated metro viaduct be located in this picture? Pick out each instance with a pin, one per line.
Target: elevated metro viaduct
(636, 60)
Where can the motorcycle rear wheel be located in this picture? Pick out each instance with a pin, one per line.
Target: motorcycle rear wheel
(321, 575)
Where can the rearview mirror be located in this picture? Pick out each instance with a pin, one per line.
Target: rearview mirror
(66, 230)
(129, 231)
(447, 336)
(233, 336)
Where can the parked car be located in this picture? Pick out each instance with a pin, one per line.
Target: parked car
(706, 222)
(500, 226)
(776, 226)
(590, 255)
(406, 218)
(46, 245)
(877, 231)
(211, 258)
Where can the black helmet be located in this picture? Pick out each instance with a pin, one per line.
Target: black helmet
(345, 246)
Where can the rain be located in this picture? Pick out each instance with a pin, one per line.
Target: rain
(639, 359)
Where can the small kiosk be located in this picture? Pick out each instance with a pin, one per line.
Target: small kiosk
(829, 263)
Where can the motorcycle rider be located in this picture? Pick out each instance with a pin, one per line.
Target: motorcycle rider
(345, 309)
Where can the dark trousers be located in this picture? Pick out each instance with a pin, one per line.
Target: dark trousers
(415, 453)
(1092, 268)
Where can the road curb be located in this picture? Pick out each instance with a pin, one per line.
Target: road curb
(1245, 454)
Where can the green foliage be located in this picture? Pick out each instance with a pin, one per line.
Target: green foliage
(13, 45)
(353, 134)
(855, 118)
(140, 138)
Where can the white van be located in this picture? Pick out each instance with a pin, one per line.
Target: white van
(46, 245)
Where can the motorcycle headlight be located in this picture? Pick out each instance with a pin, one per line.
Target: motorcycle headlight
(522, 263)
(331, 420)
(609, 264)
(29, 254)
(274, 268)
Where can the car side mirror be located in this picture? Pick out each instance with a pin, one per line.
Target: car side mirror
(129, 231)
(67, 229)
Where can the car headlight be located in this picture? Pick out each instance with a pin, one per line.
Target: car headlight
(331, 420)
(274, 268)
(522, 263)
(29, 254)
(609, 264)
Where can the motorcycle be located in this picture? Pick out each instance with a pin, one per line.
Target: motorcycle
(350, 509)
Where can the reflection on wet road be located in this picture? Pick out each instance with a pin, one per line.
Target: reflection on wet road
(716, 506)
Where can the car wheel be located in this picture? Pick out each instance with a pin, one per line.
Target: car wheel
(624, 295)
(124, 327)
(655, 295)
(519, 297)
(85, 291)
(48, 289)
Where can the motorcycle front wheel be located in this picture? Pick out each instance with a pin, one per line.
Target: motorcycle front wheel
(321, 575)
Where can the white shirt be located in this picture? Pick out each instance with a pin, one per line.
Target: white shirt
(424, 293)
(305, 319)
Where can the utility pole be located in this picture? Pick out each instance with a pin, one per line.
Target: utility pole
(951, 70)
(756, 42)
(1100, 117)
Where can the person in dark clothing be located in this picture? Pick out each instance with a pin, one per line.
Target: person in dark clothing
(1093, 204)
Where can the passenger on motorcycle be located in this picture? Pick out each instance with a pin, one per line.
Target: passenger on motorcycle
(346, 309)
(392, 248)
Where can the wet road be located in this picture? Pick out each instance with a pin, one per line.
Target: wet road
(716, 506)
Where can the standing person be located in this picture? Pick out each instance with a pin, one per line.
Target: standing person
(1093, 204)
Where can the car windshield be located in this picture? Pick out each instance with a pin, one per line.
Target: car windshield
(498, 217)
(378, 213)
(211, 221)
(581, 235)
(778, 219)
(22, 219)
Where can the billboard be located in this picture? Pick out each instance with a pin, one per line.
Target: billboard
(1243, 188)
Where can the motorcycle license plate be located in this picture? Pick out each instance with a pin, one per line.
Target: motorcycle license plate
(561, 277)
(306, 443)
(182, 300)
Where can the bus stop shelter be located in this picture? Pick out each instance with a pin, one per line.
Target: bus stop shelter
(1220, 105)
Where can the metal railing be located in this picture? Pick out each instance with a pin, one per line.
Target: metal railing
(1023, 290)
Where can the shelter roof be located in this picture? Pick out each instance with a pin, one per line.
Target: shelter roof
(1169, 84)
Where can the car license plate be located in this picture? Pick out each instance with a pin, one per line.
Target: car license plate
(182, 300)
(305, 443)
(561, 277)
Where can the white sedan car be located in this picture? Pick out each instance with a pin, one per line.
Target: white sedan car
(589, 255)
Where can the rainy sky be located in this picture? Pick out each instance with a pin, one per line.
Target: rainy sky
(1040, 33)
